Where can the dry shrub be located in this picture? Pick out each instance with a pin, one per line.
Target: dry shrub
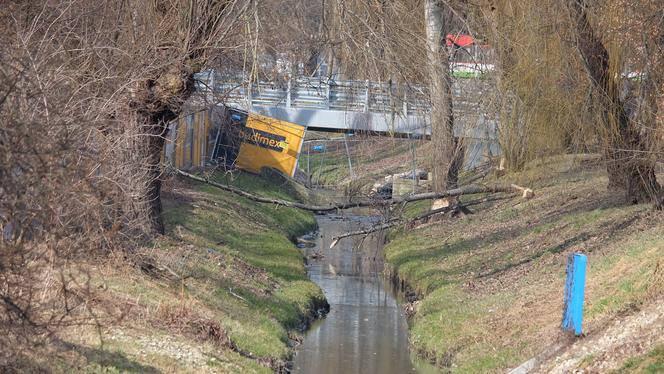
(86, 90)
(67, 181)
(183, 319)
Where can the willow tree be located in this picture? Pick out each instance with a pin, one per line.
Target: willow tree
(539, 83)
(182, 37)
(627, 149)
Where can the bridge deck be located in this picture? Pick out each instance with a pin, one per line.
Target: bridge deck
(351, 106)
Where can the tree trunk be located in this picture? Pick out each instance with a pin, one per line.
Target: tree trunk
(156, 133)
(447, 155)
(161, 103)
(628, 165)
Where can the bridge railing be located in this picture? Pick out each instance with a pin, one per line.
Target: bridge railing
(345, 95)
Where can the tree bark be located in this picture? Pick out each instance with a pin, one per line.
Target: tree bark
(159, 102)
(154, 187)
(628, 166)
(447, 157)
(156, 132)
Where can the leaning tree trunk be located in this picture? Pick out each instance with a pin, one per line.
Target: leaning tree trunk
(447, 156)
(629, 169)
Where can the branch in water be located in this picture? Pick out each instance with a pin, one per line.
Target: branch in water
(388, 225)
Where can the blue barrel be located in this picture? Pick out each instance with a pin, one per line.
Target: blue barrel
(574, 293)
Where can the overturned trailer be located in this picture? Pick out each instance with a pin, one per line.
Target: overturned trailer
(232, 138)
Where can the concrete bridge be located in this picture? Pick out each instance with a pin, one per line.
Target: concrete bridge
(348, 106)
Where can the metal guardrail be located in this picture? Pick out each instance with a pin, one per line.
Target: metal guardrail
(342, 95)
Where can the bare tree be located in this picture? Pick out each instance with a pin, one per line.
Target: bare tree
(186, 36)
(86, 91)
(447, 158)
(402, 43)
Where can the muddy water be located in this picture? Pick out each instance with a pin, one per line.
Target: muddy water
(365, 330)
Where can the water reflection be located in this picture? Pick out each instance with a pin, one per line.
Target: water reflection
(365, 331)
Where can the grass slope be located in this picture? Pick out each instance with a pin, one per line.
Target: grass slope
(227, 291)
(491, 283)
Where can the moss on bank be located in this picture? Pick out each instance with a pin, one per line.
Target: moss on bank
(491, 283)
(225, 291)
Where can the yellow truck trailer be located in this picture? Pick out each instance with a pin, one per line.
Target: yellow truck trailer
(233, 138)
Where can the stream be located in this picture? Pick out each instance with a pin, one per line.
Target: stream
(366, 330)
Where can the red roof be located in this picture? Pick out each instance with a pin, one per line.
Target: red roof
(459, 40)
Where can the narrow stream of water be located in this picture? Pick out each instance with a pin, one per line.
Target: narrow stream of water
(365, 330)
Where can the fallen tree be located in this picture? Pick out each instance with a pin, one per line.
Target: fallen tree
(464, 190)
(397, 221)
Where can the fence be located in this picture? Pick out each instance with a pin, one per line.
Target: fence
(346, 95)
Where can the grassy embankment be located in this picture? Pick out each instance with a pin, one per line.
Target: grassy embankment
(491, 283)
(227, 290)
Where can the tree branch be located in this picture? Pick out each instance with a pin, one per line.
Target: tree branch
(395, 222)
(465, 190)
(388, 225)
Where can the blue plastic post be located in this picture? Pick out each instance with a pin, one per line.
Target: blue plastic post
(574, 293)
